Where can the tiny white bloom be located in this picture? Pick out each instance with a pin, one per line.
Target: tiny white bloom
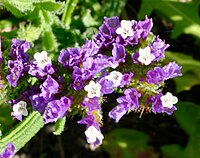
(93, 134)
(42, 59)
(145, 55)
(168, 100)
(20, 109)
(126, 29)
(93, 89)
(115, 77)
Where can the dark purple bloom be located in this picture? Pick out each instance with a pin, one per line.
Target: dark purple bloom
(144, 27)
(56, 109)
(155, 76)
(119, 53)
(128, 102)
(90, 48)
(126, 79)
(88, 121)
(9, 151)
(157, 106)
(70, 57)
(158, 48)
(49, 88)
(107, 34)
(156, 103)
(78, 83)
(132, 96)
(38, 72)
(38, 103)
(91, 104)
(15, 71)
(171, 70)
(119, 111)
(18, 50)
(107, 86)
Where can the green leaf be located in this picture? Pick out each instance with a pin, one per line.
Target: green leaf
(23, 131)
(51, 6)
(188, 116)
(126, 143)
(88, 20)
(60, 126)
(185, 16)
(172, 151)
(19, 8)
(49, 41)
(190, 70)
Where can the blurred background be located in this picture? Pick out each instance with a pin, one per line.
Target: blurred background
(151, 136)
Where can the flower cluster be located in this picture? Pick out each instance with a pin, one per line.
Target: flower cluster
(123, 56)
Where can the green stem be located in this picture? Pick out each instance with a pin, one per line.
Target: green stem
(23, 131)
(69, 8)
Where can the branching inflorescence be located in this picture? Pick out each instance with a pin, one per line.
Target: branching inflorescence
(122, 57)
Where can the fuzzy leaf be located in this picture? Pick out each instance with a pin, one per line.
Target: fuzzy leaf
(23, 131)
(19, 8)
(59, 126)
(50, 6)
(185, 16)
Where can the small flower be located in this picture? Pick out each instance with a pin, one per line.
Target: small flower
(115, 77)
(145, 56)
(9, 151)
(42, 59)
(93, 134)
(168, 100)
(126, 29)
(19, 110)
(93, 89)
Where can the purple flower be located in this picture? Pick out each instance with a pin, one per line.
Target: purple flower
(132, 96)
(38, 103)
(158, 48)
(128, 102)
(171, 70)
(155, 76)
(49, 88)
(70, 57)
(38, 72)
(93, 132)
(89, 48)
(56, 109)
(156, 103)
(9, 151)
(107, 86)
(15, 71)
(107, 34)
(119, 111)
(118, 53)
(91, 104)
(18, 50)
(144, 27)
(126, 79)
(157, 106)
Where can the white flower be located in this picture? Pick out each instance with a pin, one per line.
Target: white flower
(115, 77)
(145, 55)
(93, 89)
(20, 108)
(168, 100)
(126, 29)
(93, 134)
(42, 59)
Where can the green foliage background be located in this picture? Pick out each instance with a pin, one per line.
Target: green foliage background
(52, 25)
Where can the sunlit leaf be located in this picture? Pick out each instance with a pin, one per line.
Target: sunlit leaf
(185, 16)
